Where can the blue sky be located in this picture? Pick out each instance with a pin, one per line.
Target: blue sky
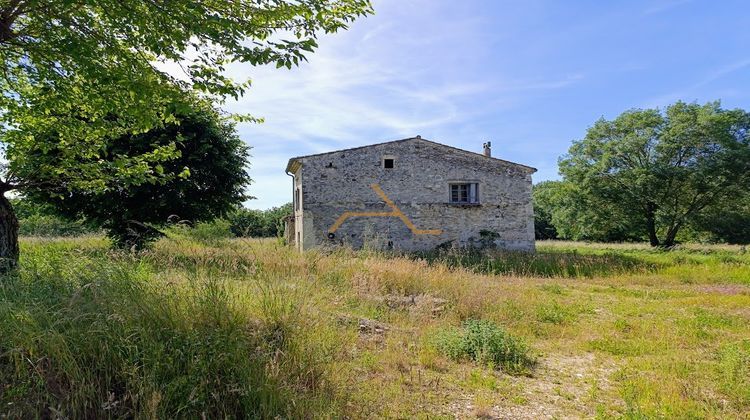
(530, 76)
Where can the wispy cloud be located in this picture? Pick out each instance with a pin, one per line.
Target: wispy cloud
(530, 76)
(688, 93)
(373, 83)
(725, 70)
(663, 6)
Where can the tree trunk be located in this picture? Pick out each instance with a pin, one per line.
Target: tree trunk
(8, 236)
(651, 224)
(671, 235)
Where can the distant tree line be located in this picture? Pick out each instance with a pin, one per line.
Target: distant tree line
(268, 223)
(37, 219)
(663, 176)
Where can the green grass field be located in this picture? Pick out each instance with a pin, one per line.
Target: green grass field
(249, 328)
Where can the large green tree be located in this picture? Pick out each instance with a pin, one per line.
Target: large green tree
(663, 167)
(69, 66)
(562, 210)
(206, 180)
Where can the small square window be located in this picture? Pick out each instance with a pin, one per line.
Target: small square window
(464, 193)
(388, 163)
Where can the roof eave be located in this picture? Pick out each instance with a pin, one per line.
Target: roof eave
(293, 165)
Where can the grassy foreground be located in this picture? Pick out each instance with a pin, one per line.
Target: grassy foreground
(248, 328)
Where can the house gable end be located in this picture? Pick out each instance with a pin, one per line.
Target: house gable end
(293, 163)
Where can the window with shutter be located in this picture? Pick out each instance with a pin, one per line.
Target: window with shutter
(464, 193)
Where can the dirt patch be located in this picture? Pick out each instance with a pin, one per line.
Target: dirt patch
(365, 325)
(368, 326)
(562, 387)
(724, 289)
(423, 303)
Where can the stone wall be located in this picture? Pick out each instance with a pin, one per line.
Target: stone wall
(419, 215)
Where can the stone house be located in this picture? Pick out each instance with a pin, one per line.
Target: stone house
(410, 194)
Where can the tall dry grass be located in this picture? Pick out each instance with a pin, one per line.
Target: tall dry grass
(250, 328)
(86, 332)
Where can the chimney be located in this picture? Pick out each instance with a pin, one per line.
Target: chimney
(487, 149)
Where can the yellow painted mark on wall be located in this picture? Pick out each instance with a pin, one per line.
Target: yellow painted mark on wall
(395, 212)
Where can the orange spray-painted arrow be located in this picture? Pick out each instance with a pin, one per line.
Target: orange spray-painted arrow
(395, 212)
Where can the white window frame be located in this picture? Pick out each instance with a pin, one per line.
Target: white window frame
(468, 189)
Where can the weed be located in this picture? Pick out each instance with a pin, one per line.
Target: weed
(554, 313)
(734, 371)
(485, 342)
(479, 380)
(553, 288)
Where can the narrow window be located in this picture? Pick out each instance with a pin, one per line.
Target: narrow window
(467, 193)
(296, 199)
(388, 163)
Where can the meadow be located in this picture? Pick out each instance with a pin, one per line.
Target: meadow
(207, 327)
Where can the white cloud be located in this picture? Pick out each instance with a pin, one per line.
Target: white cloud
(402, 72)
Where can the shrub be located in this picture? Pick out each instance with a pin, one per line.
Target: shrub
(207, 233)
(486, 342)
(48, 225)
(259, 223)
(39, 220)
(211, 232)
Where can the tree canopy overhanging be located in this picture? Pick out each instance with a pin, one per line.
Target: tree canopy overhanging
(102, 56)
(93, 71)
(69, 66)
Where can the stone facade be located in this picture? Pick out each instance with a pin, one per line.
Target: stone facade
(432, 195)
